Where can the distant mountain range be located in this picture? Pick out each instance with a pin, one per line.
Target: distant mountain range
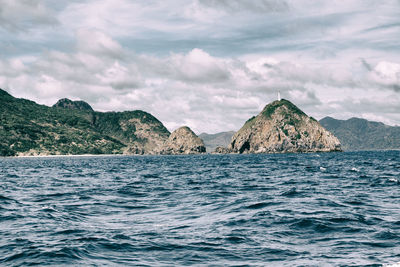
(212, 141)
(361, 134)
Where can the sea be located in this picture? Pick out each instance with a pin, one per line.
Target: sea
(317, 209)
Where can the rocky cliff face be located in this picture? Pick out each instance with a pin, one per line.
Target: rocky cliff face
(69, 104)
(282, 127)
(183, 141)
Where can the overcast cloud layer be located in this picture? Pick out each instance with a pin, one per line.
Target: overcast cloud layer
(208, 64)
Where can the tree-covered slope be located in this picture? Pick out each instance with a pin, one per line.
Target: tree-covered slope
(361, 134)
(27, 128)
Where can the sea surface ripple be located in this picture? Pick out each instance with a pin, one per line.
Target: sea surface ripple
(332, 209)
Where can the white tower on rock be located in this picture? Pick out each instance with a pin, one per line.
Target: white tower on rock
(279, 96)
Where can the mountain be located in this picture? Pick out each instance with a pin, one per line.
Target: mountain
(282, 127)
(212, 141)
(361, 134)
(27, 128)
(183, 141)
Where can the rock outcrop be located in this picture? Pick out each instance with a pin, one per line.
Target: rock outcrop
(183, 141)
(69, 104)
(221, 150)
(282, 127)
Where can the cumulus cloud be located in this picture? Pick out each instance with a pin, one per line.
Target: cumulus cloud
(96, 42)
(207, 92)
(198, 66)
(20, 15)
(387, 74)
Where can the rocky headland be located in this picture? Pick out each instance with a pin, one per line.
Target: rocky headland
(281, 127)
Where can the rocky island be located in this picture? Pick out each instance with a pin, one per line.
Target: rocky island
(282, 127)
(183, 141)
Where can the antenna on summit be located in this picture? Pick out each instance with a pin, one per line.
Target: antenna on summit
(279, 96)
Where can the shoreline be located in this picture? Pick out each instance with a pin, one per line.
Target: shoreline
(138, 155)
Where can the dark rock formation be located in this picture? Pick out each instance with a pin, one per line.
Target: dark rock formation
(183, 141)
(69, 104)
(282, 127)
(221, 150)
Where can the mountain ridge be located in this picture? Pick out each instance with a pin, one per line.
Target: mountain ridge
(73, 127)
(361, 134)
(212, 141)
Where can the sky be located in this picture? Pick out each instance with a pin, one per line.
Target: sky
(206, 64)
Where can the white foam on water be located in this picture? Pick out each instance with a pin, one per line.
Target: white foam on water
(322, 168)
(355, 169)
(393, 265)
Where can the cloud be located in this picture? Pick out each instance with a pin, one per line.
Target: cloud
(198, 66)
(20, 15)
(207, 92)
(120, 77)
(209, 64)
(95, 42)
(384, 74)
(257, 6)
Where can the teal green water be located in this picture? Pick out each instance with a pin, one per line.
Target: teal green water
(334, 209)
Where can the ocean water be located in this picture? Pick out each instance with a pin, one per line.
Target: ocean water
(332, 209)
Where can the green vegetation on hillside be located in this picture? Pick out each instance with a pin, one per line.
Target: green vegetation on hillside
(29, 128)
(360, 134)
(270, 108)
